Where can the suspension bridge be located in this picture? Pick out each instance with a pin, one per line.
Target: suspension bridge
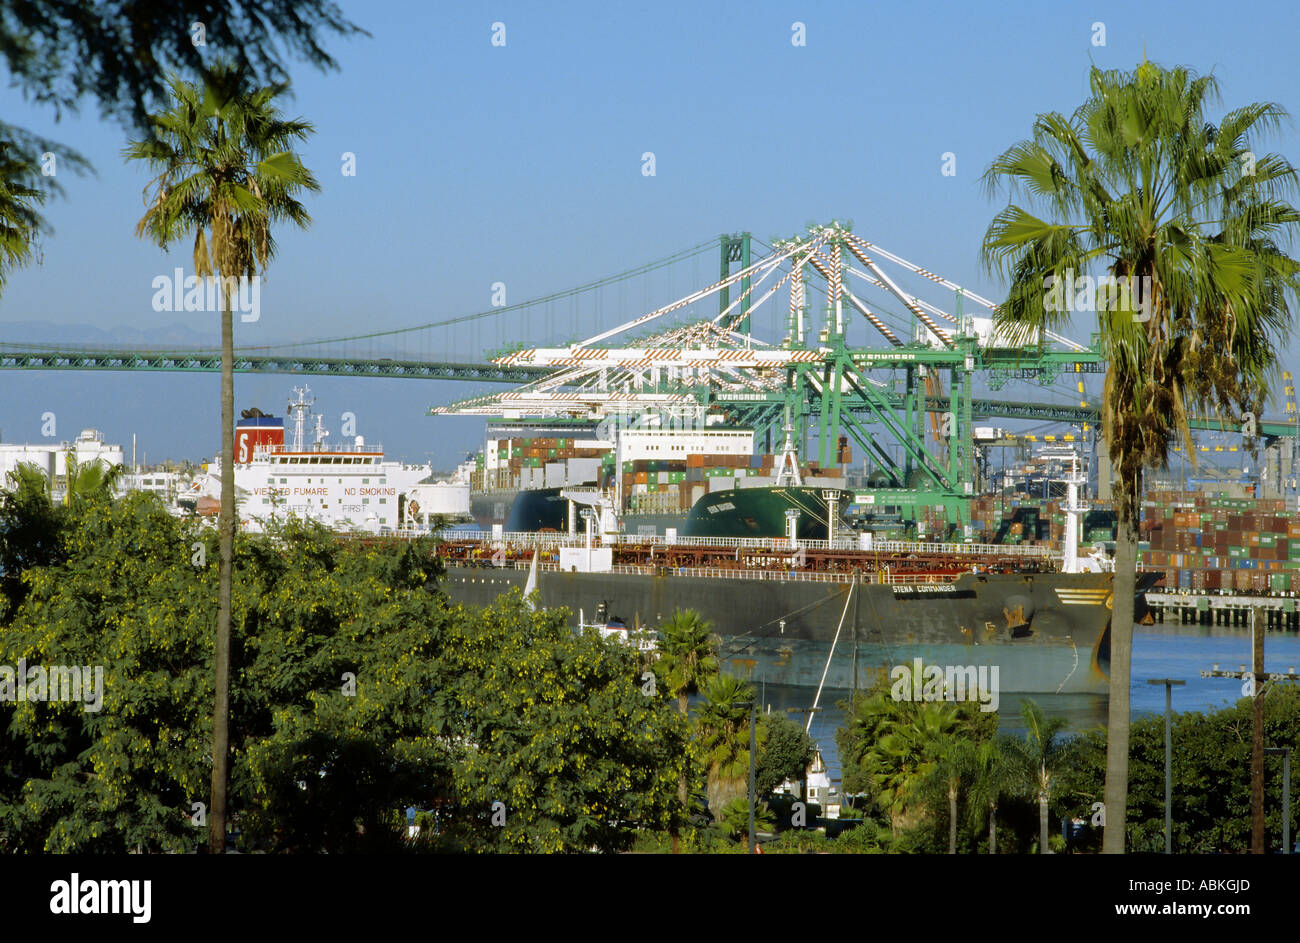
(862, 351)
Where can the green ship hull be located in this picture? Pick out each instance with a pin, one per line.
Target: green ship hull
(760, 512)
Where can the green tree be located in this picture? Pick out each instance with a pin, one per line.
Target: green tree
(20, 224)
(554, 727)
(1037, 759)
(314, 768)
(93, 480)
(1140, 183)
(951, 759)
(687, 660)
(226, 174)
(990, 779)
(118, 51)
(734, 820)
(358, 692)
(723, 732)
(687, 655)
(1211, 775)
(785, 752)
(886, 746)
(30, 532)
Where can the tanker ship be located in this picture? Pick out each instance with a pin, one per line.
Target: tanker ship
(793, 589)
(782, 614)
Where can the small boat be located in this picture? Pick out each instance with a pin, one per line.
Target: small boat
(614, 627)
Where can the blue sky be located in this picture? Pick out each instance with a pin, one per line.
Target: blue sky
(522, 164)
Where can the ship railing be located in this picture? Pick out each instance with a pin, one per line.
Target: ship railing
(771, 544)
(317, 448)
(738, 573)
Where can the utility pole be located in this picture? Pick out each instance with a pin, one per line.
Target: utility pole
(1168, 683)
(1257, 736)
(753, 752)
(1256, 680)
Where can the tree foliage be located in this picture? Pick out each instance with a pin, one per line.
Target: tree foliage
(785, 752)
(356, 692)
(887, 747)
(59, 52)
(722, 738)
(1138, 184)
(20, 223)
(1211, 777)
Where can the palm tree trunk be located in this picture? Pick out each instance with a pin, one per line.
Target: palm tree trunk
(683, 793)
(952, 821)
(993, 828)
(1042, 824)
(225, 574)
(1124, 586)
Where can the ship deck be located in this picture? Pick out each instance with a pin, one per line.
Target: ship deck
(755, 558)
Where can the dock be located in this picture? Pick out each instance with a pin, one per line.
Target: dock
(1281, 612)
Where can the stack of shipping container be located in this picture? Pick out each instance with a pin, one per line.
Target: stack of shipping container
(1209, 544)
(1024, 519)
(521, 462)
(662, 486)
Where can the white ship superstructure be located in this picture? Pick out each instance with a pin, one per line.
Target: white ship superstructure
(348, 486)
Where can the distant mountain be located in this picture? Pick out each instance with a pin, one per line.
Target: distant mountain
(43, 332)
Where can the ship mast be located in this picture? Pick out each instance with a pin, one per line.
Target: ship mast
(299, 409)
(1073, 515)
(321, 432)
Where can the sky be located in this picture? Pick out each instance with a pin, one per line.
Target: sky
(522, 164)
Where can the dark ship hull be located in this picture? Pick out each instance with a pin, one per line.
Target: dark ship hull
(1044, 632)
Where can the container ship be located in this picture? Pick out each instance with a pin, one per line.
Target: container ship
(658, 480)
(796, 590)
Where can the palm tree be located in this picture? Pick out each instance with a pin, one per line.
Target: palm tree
(1035, 760)
(26, 480)
(19, 221)
(951, 759)
(92, 481)
(903, 758)
(734, 820)
(989, 781)
(687, 654)
(1139, 184)
(724, 738)
(687, 660)
(226, 174)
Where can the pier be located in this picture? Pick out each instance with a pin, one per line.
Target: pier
(1280, 612)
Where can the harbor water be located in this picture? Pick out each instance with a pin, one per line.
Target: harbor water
(1160, 651)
